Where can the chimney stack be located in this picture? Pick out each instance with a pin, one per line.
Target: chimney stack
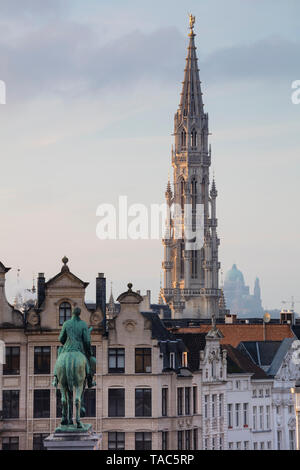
(40, 289)
(101, 293)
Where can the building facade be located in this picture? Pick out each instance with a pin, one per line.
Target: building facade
(145, 396)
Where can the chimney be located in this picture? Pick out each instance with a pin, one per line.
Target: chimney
(40, 289)
(101, 293)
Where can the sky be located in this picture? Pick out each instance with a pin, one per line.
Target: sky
(92, 88)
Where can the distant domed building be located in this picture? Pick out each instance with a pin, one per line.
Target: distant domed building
(238, 297)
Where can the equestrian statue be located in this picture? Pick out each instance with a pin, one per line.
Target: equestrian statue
(75, 367)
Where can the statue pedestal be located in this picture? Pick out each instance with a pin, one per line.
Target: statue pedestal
(71, 438)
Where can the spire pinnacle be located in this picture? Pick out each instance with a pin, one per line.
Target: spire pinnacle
(192, 23)
(191, 103)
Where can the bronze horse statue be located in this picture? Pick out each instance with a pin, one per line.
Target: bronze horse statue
(74, 368)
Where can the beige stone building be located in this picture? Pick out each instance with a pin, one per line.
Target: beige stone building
(146, 396)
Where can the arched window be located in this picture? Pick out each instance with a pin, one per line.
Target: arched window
(183, 138)
(65, 312)
(194, 264)
(194, 138)
(182, 260)
(194, 203)
(182, 187)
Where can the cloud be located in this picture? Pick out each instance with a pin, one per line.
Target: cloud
(272, 58)
(66, 58)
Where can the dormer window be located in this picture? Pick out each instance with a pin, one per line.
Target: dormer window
(184, 359)
(65, 312)
(172, 360)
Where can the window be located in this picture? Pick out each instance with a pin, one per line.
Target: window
(245, 413)
(12, 361)
(188, 440)
(255, 446)
(213, 407)
(41, 404)
(261, 393)
(183, 138)
(246, 445)
(164, 402)
(262, 446)
(237, 415)
(238, 384)
(143, 441)
(38, 441)
(261, 417)
(116, 360)
(229, 411)
(269, 444)
(89, 400)
(254, 417)
(278, 440)
(194, 138)
(180, 401)
(182, 260)
(165, 440)
(221, 443)
(10, 443)
(213, 447)
(195, 404)
(267, 392)
(143, 402)
(206, 444)
(254, 394)
(230, 445)
(116, 402)
(292, 440)
(291, 409)
(188, 400)
(172, 360)
(116, 441)
(184, 359)
(194, 264)
(65, 312)
(278, 409)
(268, 415)
(142, 360)
(42, 359)
(195, 439)
(206, 398)
(11, 399)
(221, 404)
(238, 446)
(180, 440)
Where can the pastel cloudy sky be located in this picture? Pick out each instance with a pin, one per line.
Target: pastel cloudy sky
(92, 87)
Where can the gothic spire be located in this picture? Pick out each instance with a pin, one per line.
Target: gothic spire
(191, 103)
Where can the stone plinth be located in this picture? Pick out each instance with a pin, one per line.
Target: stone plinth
(71, 438)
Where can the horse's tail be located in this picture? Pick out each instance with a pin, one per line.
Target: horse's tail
(70, 366)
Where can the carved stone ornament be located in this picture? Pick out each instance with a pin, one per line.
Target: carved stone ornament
(96, 319)
(33, 319)
(129, 325)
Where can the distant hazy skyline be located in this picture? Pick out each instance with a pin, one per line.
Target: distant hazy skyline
(92, 88)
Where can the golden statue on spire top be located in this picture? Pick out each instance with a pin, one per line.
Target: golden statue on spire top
(192, 21)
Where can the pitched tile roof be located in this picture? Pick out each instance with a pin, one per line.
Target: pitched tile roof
(234, 334)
